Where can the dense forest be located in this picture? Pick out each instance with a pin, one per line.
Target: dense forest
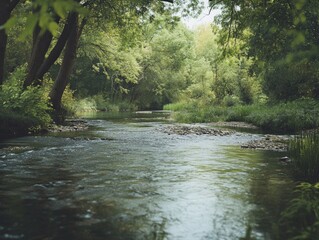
(258, 62)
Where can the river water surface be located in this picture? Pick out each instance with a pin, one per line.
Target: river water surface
(126, 179)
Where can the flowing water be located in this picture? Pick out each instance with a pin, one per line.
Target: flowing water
(126, 179)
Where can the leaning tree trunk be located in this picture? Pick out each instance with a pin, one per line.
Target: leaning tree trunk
(65, 72)
(57, 49)
(6, 7)
(40, 47)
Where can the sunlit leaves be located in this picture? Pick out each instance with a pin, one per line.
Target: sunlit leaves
(298, 39)
(30, 25)
(44, 14)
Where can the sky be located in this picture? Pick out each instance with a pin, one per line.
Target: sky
(204, 18)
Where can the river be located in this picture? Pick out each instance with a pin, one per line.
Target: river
(124, 178)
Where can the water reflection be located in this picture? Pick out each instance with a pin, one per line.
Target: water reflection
(135, 182)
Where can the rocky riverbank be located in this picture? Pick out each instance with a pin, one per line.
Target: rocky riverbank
(269, 142)
(187, 129)
(241, 125)
(70, 125)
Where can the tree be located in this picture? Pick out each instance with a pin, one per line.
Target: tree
(47, 17)
(164, 67)
(6, 7)
(283, 33)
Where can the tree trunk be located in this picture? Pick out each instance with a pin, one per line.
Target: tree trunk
(65, 72)
(3, 46)
(6, 7)
(40, 48)
(57, 50)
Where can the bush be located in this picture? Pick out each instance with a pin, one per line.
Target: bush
(13, 124)
(289, 117)
(85, 105)
(230, 100)
(292, 80)
(125, 106)
(300, 220)
(31, 103)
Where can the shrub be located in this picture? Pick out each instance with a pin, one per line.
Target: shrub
(31, 103)
(13, 124)
(289, 117)
(230, 100)
(125, 106)
(300, 220)
(178, 106)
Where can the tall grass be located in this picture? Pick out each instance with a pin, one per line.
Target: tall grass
(304, 151)
(284, 117)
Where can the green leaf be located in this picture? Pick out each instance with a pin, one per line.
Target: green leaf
(30, 25)
(53, 28)
(9, 24)
(300, 4)
(44, 21)
(299, 39)
(59, 9)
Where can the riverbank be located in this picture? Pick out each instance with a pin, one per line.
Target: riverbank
(19, 129)
(278, 143)
(269, 142)
(70, 125)
(276, 118)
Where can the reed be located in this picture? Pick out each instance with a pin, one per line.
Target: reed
(304, 151)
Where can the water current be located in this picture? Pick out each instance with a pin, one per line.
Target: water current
(124, 178)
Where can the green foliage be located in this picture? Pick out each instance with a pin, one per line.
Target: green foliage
(286, 44)
(292, 80)
(230, 100)
(14, 124)
(85, 105)
(93, 104)
(300, 220)
(304, 152)
(287, 117)
(43, 15)
(32, 103)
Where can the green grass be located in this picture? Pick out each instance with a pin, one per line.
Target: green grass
(304, 151)
(287, 117)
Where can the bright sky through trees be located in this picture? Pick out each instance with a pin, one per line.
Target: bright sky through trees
(206, 16)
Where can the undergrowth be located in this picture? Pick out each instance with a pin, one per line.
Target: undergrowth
(284, 117)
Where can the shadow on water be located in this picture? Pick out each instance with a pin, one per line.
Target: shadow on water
(125, 179)
(270, 188)
(38, 200)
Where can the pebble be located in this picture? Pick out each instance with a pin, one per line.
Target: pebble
(196, 130)
(269, 142)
